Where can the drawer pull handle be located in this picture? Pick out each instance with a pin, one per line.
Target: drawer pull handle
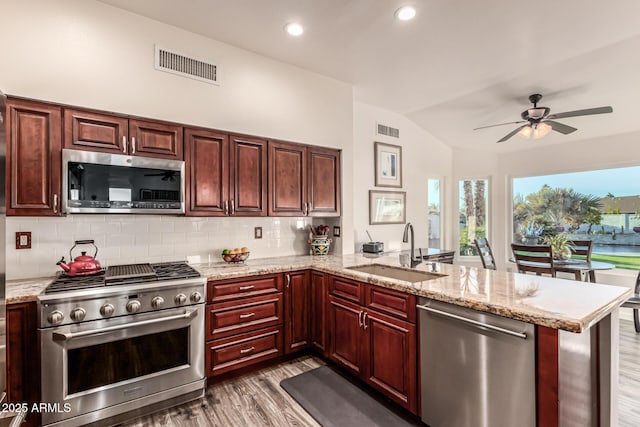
(246, 288)
(246, 316)
(247, 350)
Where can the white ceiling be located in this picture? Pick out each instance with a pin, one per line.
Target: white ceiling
(458, 65)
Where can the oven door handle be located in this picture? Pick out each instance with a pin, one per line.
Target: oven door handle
(66, 336)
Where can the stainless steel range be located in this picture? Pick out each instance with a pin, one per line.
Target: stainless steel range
(130, 337)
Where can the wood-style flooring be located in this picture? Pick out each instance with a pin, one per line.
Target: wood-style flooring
(257, 399)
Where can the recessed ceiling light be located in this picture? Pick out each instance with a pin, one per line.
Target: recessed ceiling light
(406, 13)
(294, 29)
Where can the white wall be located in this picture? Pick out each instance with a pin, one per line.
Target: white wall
(423, 157)
(86, 53)
(599, 153)
(127, 239)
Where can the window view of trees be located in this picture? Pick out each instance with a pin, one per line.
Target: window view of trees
(433, 204)
(473, 214)
(582, 206)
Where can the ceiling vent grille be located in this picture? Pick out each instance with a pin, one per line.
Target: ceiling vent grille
(388, 131)
(175, 63)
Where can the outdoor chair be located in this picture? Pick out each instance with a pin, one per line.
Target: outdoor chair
(485, 253)
(634, 303)
(581, 248)
(536, 259)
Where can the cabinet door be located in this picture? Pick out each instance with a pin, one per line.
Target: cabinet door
(23, 357)
(248, 176)
(318, 334)
(296, 335)
(206, 172)
(155, 139)
(84, 130)
(345, 334)
(324, 182)
(287, 179)
(391, 363)
(34, 158)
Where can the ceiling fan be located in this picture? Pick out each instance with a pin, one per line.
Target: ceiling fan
(538, 121)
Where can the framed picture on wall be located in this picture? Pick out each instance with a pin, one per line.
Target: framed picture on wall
(388, 159)
(387, 207)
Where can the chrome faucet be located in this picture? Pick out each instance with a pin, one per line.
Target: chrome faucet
(405, 238)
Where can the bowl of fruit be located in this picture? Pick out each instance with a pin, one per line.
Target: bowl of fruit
(234, 256)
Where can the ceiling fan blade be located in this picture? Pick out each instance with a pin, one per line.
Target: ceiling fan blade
(559, 127)
(500, 124)
(586, 112)
(510, 134)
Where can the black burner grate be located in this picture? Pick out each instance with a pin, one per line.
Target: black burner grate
(121, 275)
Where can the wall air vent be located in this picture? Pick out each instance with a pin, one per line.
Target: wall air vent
(175, 63)
(388, 131)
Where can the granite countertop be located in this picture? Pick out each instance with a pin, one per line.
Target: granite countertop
(556, 303)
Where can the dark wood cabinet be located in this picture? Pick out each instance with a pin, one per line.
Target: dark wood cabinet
(287, 179)
(345, 334)
(118, 134)
(390, 345)
(23, 356)
(248, 176)
(297, 297)
(86, 130)
(303, 180)
(323, 192)
(379, 345)
(244, 322)
(318, 311)
(226, 174)
(206, 156)
(34, 158)
(155, 139)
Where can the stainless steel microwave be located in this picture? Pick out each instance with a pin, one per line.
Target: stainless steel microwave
(95, 182)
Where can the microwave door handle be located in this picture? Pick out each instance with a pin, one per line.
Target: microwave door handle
(124, 144)
(67, 336)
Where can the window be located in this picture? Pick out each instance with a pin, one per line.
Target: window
(600, 205)
(434, 205)
(473, 213)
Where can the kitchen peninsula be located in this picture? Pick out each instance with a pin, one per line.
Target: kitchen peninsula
(575, 338)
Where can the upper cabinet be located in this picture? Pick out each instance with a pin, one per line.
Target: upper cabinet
(112, 133)
(303, 180)
(34, 158)
(323, 196)
(226, 174)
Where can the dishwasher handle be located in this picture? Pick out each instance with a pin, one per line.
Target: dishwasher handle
(521, 335)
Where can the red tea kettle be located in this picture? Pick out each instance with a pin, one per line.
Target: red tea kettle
(83, 265)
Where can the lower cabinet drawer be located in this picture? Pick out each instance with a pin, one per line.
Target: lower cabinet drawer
(243, 350)
(248, 314)
(247, 287)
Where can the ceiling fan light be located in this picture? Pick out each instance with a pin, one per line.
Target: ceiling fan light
(541, 130)
(525, 132)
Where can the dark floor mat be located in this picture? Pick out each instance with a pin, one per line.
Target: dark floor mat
(335, 402)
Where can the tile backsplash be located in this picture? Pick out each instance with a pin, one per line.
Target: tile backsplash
(126, 239)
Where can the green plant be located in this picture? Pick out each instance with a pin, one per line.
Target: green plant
(560, 245)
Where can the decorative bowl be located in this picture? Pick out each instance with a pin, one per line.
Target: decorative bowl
(235, 258)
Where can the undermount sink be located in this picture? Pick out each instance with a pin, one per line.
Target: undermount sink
(412, 276)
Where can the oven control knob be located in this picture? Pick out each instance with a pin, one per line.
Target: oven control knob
(196, 297)
(157, 302)
(133, 306)
(78, 314)
(107, 310)
(55, 317)
(180, 299)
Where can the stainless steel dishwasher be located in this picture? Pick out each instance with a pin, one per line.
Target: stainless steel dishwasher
(477, 369)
